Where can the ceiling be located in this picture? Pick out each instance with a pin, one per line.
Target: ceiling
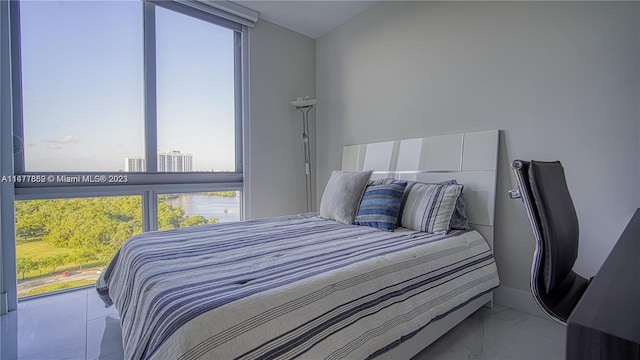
(308, 17)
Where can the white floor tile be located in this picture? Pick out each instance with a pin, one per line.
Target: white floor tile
(95, 307)
(62, 342)
(500, 333)
(52, 312)
(76, 325)
(104, 337)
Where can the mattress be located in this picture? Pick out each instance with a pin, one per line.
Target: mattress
(287, 287)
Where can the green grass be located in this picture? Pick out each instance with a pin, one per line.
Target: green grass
(94, 266)
(59, 286)
(39, 250)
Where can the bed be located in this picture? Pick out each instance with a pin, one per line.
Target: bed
(309, 286)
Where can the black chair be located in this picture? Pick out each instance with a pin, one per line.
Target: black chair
(543, 189)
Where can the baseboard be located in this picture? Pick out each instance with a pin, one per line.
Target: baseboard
(518, 300)
(4, 304)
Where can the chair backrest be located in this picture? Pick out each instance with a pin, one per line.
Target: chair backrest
(544, 192)
(558, 221)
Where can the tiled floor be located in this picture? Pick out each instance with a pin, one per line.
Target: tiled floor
(500, 333)
(73, 325)
(76, 325)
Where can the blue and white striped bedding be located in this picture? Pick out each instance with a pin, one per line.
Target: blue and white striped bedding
(295, 286)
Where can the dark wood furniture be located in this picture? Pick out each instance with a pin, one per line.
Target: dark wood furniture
(606, 322)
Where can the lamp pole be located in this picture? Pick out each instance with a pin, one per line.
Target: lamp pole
(307, 153)
(304, 106)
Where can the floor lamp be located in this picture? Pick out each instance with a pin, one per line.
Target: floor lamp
(304, 106)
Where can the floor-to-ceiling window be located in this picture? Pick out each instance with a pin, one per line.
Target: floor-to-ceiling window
(128, 119)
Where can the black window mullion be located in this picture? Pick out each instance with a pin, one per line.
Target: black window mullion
(150, 211)
(16, 88)
(150, 91)
(237, 38)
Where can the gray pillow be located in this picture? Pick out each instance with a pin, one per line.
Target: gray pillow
(342, 195)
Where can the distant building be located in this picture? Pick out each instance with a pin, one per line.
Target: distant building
(174, 161)
(170, 161)
(135, 164)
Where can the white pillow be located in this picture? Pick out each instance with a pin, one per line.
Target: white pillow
(429, 207)
(342, 195)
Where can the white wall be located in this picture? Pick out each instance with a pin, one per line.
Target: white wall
(282, 67)
(561, 79)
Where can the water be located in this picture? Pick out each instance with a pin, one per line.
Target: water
(222, 207)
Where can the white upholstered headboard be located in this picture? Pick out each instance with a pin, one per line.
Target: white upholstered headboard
(470, 158)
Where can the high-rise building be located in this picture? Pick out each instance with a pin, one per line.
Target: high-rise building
(135, 164)
(174, 161)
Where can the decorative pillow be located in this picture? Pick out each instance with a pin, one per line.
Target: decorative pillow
(342, 195)
(459, 219)
(429, 207)
(382, 181)
(380, 205)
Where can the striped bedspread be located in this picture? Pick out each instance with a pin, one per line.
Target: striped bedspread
(295, 286)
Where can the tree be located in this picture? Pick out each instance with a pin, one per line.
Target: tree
(168, 216)
(84, 256)
(39, 265)
(193, 221)
(54, 261)
(24, 265)
(90, 228)
(29, 219)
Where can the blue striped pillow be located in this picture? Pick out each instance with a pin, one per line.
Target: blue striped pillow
(380, 205)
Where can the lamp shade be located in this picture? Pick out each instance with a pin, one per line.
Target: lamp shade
(300, 102)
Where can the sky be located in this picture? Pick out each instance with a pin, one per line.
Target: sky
(83, 90)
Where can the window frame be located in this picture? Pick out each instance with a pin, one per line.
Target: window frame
(148, 184)
(151, 176)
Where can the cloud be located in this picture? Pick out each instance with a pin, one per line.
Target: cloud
(64, 139)
(61, 140)
(54, 147)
